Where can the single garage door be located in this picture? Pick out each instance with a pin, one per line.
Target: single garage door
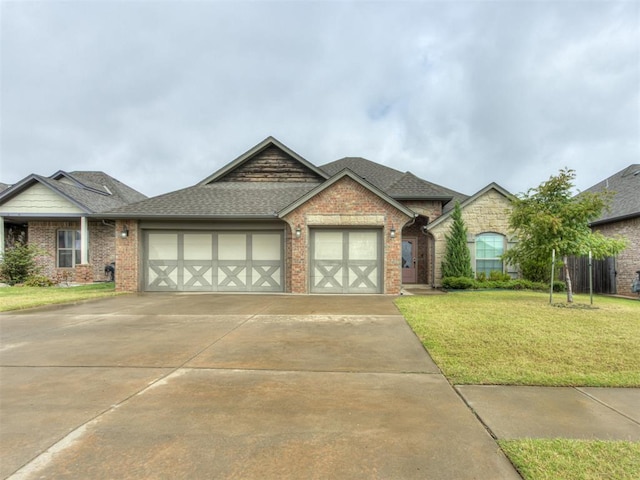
(346, 261)
(213, 261)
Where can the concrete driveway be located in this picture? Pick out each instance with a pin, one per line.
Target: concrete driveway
(231, 386)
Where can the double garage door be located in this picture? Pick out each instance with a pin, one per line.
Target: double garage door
(213, 261)
(340, 261)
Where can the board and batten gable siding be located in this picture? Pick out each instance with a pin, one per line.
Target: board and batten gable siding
(38, 199)
(271, 165)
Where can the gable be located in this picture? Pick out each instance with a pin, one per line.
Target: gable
(38, 199)
(268, 161)
(271, 164)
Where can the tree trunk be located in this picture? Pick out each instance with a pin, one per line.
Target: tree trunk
(567, 279)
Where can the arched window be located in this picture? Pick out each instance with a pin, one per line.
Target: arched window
(489, 248)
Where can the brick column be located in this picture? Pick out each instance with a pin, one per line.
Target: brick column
(84, 273)
(127, 256)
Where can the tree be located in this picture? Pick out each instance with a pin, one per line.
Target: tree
(457, 258)
(19, 263)
(549, 218)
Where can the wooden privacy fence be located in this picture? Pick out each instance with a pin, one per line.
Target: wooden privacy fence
(604, 274)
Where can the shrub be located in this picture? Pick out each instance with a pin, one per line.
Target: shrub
(459, 283)
(19, 263)
(38, 281)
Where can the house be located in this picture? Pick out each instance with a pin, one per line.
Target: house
(271, 221)
(55, 213)
(622, 218)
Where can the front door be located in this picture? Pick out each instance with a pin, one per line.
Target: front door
(409, 247)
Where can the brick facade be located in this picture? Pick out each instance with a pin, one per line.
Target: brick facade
(428, 211)
(101, 250)
(628, 261)
(128, 251)
(344, 204)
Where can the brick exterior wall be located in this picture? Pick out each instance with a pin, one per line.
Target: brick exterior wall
(487, 214)
(344, 204)
(101, 250)
(128, 251)
(628, 261)
(424, 254)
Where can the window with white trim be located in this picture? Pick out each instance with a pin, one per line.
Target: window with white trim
(69, 245)
(489, 248)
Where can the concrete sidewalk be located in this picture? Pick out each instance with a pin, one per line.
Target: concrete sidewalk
(231, 386)
(556, 412)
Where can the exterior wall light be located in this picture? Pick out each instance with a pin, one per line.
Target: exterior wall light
(392, 233)
(125, 232)
(298, 231)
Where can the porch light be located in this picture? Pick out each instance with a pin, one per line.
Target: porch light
(125, 232)
(392, 233)
(298, 231)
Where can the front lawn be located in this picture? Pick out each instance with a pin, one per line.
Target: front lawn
(517, 338)
(574, 459)
(16, 298)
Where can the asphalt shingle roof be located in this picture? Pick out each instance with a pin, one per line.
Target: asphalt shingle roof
(626, 187)
(94, 192)
(219, 199)
(396, 184)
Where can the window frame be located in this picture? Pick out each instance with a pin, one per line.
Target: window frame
(75, 249)
(478, 258)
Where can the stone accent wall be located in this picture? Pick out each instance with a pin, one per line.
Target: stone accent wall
(628, 261)
(101, 248)
(128, 252)
(487, 214)
(345, 203)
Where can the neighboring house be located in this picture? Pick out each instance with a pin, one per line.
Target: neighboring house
(622, 218)
(270, 221)
(54, 214)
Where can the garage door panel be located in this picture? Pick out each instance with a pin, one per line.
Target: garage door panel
(162, 275)
(214, 261)
(197, 276)
(346, 261)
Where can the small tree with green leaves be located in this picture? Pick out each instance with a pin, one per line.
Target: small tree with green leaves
(549, 218)
(457, 258)
(18, 263)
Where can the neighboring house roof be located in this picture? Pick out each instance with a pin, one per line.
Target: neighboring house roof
(4, 186)
(396, 184)
(469, 200)
(91, 192)
(626, 200)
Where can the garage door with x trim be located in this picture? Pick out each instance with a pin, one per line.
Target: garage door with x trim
(213, 261)
(346, 261)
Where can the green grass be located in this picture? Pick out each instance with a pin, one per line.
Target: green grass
(517, 338)
(17, 298)
(574, 459)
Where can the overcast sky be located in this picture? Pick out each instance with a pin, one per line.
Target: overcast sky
(160, 94)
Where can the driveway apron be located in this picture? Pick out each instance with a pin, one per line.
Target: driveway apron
(231, 386)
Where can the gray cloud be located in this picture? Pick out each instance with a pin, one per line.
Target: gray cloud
(161, 94)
